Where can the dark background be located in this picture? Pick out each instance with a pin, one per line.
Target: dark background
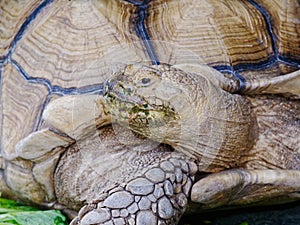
(288, 214)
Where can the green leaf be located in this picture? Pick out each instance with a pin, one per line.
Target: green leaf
(243, 223)
(7, 206)
(13, 213)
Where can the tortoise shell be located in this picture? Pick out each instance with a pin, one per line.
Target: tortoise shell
(50, 48)
(54, 48)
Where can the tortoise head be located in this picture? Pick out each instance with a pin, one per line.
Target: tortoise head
(183, 109)
(154, 100)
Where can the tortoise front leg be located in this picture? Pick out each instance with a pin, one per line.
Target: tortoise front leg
(159, 196)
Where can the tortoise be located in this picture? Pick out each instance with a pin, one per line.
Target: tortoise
(60, 148)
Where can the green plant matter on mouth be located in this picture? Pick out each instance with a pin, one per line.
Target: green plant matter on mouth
(14, 213)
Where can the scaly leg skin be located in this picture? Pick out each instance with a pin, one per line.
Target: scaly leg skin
(160, 196)
(245, 187)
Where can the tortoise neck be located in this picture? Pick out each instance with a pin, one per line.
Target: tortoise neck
(214, 129)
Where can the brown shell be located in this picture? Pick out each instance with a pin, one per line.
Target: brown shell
(50, 48)
(53, 48)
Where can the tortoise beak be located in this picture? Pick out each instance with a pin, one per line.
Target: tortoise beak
(108, 86)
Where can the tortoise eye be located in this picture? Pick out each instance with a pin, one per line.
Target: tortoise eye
(146, 80)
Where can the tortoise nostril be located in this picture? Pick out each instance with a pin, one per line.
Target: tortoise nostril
(129, 90)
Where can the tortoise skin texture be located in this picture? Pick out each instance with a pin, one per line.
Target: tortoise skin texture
(220, 131)
(50, 49)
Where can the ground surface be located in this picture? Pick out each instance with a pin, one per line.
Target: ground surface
(281, 215)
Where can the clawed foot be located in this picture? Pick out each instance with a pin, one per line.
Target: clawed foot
(160, 196)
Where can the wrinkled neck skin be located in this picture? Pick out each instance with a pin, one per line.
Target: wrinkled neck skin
(213, 126)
